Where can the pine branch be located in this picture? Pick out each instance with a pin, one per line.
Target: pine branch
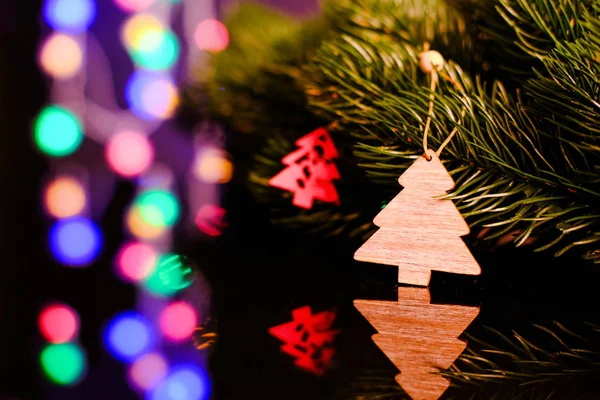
(405, 21)
(513, 35)
(564, 365)
(510, 173)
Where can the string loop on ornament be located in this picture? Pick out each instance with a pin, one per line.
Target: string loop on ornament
(432, 87)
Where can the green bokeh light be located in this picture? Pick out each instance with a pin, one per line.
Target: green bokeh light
(158, 208)
(57, 131)
(172, 274)
(156, 50)
(63, 363)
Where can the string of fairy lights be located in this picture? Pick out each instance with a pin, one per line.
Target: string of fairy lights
(71, 57)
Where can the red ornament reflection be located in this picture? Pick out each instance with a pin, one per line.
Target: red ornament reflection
(210, 219)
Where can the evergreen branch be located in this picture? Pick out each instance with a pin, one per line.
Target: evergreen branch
(412, 22)
(513, 35)
(566, 96)
(566, 365)
(517, 189)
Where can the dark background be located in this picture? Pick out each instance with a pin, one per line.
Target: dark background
(258, 273)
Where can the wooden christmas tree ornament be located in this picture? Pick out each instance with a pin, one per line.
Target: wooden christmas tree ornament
(420, 338)
(419, 232)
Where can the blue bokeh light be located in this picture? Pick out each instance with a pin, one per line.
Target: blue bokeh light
(148, 94)
(128, 336)
(72, 16)
(75, 241)
(185, 382)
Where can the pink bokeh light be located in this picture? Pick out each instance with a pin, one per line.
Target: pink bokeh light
(178, 321)
(134, 5)
(148, 371)
(136, 261)
(211, 35)
(129, 153)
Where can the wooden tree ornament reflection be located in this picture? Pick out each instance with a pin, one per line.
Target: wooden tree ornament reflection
(420, 338)
(419, 232)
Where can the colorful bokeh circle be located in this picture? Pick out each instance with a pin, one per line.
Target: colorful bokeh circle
(140, 229)
(213, 166)
(186, 382)
(57, 131)
(210, 219)
(148, 371)
(211, 35)
(158, 207)
(178, 321)
(134, 5)
(172, 274)
(128, 336)
(136, 261)
(70, 15)
(64, 364)
(152, 95)
(156, 50)
(61, 56)
(129, 153)
(75, 241)
(136, 27)
(64, 197)
(58, 323)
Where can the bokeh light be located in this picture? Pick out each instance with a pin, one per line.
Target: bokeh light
(64, 197)
(158, 207)
(213, 166)
(70, 15)
(210, 219)
(172, 274)
(128, 336)
(136, 27)
(152, 95)
(129, 153)
(134, 5)
(156, 50)
(185, 382)
(75, 241)
(148, 371)
(64, 364)
(139, 228)
(135, 261)
(61, 56)
(58, 323)
(211, 35)
(178, 321)
(57, 131)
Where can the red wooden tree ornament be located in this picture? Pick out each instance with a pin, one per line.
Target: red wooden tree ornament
(308, 339)
(310, 170)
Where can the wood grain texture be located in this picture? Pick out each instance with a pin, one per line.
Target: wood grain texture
(420, 338)
(418, 232)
